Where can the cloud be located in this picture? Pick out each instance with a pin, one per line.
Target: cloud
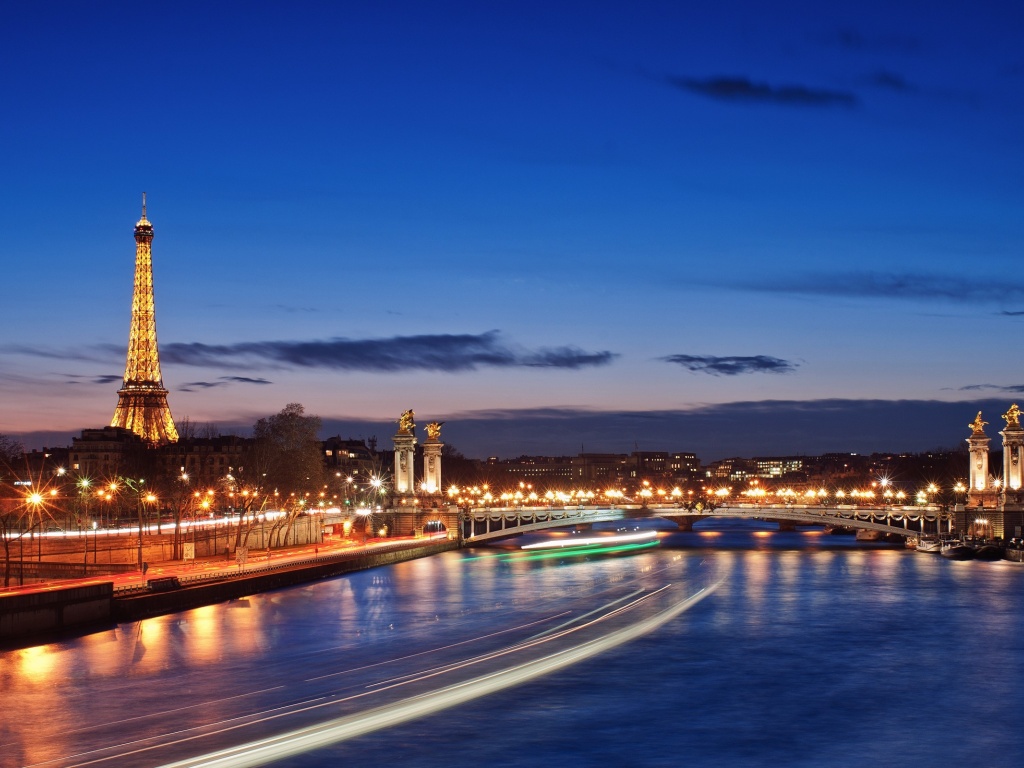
(1013, 389)
(245, 380)
(716, 431)
(741, 89)
(106, 378)
(891, 81)
(731, 366)
(192, 386)
(906, 285)
(1012, 313)
(438, 352)
(748, 428)
(854, 40)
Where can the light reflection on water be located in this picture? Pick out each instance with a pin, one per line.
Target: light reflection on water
(814, 656)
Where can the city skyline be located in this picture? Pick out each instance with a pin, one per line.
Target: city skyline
(726, 231)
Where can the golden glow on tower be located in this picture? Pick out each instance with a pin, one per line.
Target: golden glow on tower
(142, 400)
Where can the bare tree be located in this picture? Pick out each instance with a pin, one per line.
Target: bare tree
(12, 508)
(289, 442)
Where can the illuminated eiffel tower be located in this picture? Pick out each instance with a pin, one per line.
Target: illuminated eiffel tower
(142, 400)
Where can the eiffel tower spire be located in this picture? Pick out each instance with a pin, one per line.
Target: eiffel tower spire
(142, 400)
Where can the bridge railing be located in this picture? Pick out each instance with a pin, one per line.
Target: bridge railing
(507, 521)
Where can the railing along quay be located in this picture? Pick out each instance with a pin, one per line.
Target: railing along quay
(192, 579)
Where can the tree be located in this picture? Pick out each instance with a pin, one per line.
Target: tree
(12, 509)
(288, 445)
(174, 490)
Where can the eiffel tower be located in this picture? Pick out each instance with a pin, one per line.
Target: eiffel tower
(142, 400)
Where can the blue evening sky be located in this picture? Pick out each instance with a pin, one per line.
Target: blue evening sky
(730, 228)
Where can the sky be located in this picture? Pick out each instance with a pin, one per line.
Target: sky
(728, 228)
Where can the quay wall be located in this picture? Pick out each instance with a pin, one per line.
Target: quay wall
(134, 607)
(33, 614)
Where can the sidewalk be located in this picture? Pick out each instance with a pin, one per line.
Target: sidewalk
(219, 566)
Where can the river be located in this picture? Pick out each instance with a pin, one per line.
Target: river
(726, 647)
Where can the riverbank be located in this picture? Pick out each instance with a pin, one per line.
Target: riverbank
(52, 612)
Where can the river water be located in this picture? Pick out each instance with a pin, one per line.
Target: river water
(726, 647)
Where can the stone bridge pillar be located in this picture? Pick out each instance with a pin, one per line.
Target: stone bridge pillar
(977, 445)
(1013, 460)
(685, 523)
(405, 454)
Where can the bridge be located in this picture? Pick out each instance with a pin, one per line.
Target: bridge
(478, 524)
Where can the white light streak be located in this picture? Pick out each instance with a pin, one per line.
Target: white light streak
(332, 731)
(576, 542)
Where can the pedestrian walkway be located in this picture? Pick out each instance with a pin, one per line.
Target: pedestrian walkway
(227, 566)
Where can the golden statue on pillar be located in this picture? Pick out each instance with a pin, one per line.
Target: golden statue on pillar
(1012, 417)
(142, 400)
(978, 426)
(434, 429)
(406, 423)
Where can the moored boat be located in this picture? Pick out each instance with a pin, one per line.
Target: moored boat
(989, 552)
(929, 544)
(957, 550)
(867, 534)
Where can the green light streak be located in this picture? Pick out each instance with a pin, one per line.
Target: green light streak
(593, 550)
(567, 551)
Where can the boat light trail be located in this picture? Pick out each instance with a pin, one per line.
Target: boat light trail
(593, 540)
(340, 729)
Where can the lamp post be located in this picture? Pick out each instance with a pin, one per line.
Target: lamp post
(36, 500)
(136, 486)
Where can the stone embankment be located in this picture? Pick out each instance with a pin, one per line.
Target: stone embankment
(38, 616)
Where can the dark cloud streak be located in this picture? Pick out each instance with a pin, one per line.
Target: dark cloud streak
(1013, 389)
(750, 428)
(731, 366)
(223, 381)
(439, 352)
(742, 89)
(890, 81)
(891, 286)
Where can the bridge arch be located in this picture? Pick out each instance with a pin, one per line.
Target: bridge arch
(481, 524)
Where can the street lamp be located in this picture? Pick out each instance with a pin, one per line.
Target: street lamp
(36, 500)
(958, 491)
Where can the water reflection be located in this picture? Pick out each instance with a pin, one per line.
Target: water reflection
(809, 640)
